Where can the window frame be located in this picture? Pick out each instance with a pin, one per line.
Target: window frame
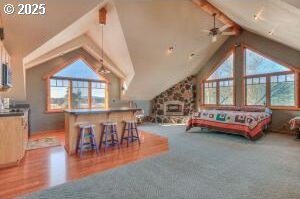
(268, 80)
(219, 63)
(50, 76)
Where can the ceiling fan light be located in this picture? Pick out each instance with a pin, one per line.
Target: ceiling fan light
(104, 70)
(214, 38)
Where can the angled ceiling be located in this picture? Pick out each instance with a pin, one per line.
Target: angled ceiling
(139, 32)
(25, 33)
(150, 27)
(137, 36)
(280, 17)
(86, 32)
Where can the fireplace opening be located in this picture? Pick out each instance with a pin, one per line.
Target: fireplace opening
(173, 108)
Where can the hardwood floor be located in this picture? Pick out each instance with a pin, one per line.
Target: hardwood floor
(52, 166)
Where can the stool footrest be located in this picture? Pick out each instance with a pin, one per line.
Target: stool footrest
(109, 135)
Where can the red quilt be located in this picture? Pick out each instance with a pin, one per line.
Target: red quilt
(248, 124)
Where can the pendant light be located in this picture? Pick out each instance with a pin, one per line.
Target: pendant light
(102, 21)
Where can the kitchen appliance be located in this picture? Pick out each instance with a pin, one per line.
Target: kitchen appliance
(6, 76)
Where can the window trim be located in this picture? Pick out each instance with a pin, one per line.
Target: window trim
(293, 70)
(49, 76)
(204, 80)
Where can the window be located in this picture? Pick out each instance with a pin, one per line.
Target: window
(59, 94)
(210, 91)
(76, 86)
(283, 90)
(98, 94)
(256, 64)
(226, 92)
(218, 87)
(80, 94)
(267, 83)
(256, 91)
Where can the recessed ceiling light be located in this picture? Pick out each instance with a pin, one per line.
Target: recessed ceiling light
(191, 56)
(257, 16)
(271, 32)
(171, 50)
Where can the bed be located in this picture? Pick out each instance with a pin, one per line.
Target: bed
(250, 123)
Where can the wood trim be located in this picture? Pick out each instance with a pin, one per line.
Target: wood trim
(47, 88)
(268, 91)
(211, 9)
(270, 74)
(90, 94)
(70, 95)
(107, 95)
(102, 16)
(297, 87)
(49, 131)
(78, 79)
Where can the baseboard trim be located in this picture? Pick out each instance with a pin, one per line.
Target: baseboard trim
(282, 132)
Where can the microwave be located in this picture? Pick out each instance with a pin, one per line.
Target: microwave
(6, 76)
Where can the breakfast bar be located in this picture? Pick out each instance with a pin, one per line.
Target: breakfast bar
(75, 117)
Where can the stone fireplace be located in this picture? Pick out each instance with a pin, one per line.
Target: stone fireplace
(176, 103)
(173, 108)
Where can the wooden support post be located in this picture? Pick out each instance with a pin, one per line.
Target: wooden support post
(102, 16)
(211, 9)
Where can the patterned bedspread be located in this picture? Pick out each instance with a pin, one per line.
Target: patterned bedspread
(249, 124)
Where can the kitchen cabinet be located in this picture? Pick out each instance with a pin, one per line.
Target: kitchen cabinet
(13, 139)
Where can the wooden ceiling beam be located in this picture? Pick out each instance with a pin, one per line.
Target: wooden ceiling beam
(211, 9)
(102, 15)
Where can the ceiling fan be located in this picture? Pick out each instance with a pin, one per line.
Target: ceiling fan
(215, 31)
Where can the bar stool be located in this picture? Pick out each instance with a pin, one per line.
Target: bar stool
(86, 130)
(131, 128)
(109, 129)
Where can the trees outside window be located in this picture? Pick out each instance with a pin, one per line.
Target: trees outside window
(267, 83)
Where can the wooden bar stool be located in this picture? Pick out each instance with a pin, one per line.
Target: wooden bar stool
(130, 128)
(86, 130)
(109, 129)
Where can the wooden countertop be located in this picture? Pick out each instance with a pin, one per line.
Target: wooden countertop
(97, 111)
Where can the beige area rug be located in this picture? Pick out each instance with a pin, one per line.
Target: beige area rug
(43, 143)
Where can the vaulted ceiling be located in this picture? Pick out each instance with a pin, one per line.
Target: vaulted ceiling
(138, 34)
(278, 20)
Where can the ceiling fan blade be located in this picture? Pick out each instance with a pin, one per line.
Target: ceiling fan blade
(228, 33)
(224, 27)
(206, 31)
